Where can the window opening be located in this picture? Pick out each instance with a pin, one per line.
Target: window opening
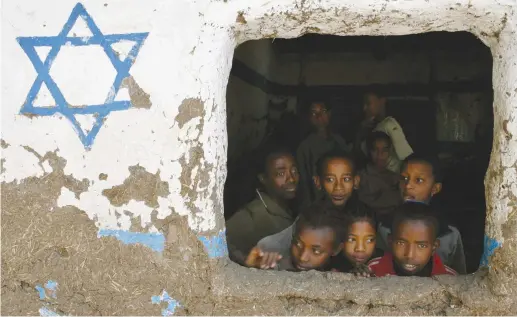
(437, 86)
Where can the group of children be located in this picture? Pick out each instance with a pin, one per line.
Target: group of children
(371, 222)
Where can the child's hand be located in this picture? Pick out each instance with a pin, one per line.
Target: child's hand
(262, 260)
(362, 270)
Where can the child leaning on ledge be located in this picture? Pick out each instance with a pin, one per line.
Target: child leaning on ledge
(316, 238)
(414, 241)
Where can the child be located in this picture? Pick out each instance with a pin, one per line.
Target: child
(269, 213)
(317, 236)
(336, 178)
(336, 182)
(376, 120)
(420, 181)
(319, 142)
(360, 239)
(413, 245)
(379, 186)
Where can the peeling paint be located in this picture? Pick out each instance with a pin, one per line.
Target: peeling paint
(50, 287)
(140, 186)
(215, 245)
(139, 98)
(172, 304)
(155, 241)
(44, 311)
(490, 245)
(189, 109)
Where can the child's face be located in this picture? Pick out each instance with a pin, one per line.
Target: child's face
(281, 177)
(360, 243)
(373, 105)
(380, 153)
(312, 248)
(319, 116)
(413, 244)
(338, 180)
(417, 182)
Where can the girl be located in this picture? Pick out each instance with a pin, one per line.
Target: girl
(359, 244)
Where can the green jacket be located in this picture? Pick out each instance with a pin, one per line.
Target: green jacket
(258, 219)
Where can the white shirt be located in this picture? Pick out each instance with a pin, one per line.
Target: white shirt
(400, 149)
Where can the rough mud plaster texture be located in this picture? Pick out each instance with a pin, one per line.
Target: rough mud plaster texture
(53, 208)
(140, 185)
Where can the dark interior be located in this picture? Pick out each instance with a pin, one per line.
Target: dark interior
(413, 104)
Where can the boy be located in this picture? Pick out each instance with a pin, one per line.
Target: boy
(376, 119)
(269, 213)
(420, 180)
(413, 243)
(379, 186)
(336, 182)
(319, 142)
(317, 236)
(336, 178)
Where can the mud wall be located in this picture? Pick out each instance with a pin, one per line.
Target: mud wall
(112, 175)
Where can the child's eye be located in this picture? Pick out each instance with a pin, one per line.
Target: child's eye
(350, 240)
(371, 240)
(404, 178)
(294, 171)
(316, 251)
(419, 180)
(329, 179)
(348, 179)
(422, 246)
(280, 174)
(400, 242)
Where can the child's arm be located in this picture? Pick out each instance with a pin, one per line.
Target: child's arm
(400, 143)
(457, 261)
(262, 260)
(240, 235)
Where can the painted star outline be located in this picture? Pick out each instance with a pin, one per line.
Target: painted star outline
(42, 68)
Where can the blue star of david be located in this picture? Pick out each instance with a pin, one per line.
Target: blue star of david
(62, 107)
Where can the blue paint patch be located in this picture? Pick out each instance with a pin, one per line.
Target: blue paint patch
(50, 287)
(215, 245)
(41, 292)
(101, 111)
(490, 245)
(44, 311)
(172, 304)
(155, 241)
